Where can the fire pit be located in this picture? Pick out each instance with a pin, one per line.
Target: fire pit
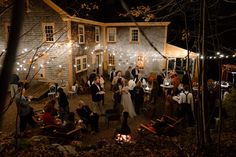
(123, 134)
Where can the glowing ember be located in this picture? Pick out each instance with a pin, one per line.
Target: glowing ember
(123, 138)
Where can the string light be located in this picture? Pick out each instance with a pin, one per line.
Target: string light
(116, 52)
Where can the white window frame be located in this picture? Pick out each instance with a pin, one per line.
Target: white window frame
(81, 35)
(131, 38)
(44, 33)
(111, 32)
(97, 34)
(81, 63)
(111, 60)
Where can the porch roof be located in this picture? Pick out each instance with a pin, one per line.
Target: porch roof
(178, 52)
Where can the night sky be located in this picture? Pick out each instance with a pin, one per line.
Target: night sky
(220, 19)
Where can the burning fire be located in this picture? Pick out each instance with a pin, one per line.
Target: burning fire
(120, 138)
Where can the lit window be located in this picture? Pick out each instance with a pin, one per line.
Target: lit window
(134, 35)
(140, 62)
(111, 60)
(81, 63)
(97, 34)
(111, 34)
(84, 63)
(81, 34)
(48, 32)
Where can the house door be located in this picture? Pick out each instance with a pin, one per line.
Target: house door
(98, 64)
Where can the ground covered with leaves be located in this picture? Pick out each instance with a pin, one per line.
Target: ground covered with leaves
(144, 143)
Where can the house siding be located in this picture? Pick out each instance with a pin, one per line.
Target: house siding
(65, 51)
(127, 52)
(87, 48)
(33, 38)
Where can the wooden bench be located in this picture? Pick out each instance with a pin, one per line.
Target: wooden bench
(51, 130)
(70, 133)
(168, 124)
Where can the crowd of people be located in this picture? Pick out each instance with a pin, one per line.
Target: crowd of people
(128, 91)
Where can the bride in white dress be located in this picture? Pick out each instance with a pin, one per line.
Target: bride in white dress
(126, 100)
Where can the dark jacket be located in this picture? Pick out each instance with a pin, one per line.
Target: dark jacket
(23, 104)
(94, 90)
(14, 79)
(134, 73)
(62, 100)
(84, 113)
(139, 95)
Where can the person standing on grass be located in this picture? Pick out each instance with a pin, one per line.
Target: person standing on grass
(14, 84)
(126, 100)
(128, 74)
(97, 92)
(25, 111)
(63, 104)
(117, 94)
(102, 84)
(138, 97)
(87, 116)
(135, 72)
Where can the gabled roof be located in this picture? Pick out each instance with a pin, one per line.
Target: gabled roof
(56, 8)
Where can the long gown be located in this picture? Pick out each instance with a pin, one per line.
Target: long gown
(127, 102)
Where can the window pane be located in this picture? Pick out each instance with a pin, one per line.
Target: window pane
(97, 34)
(48, 29)
(81, 33)
(84, 63)
(112, 35)
(134, 35)
(78, 65)
(111, 60)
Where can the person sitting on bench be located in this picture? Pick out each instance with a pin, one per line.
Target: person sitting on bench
(68, 125)
(87, 116)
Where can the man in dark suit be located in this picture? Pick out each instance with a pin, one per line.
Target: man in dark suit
(135, 72)
(128, 74)
(97, 92)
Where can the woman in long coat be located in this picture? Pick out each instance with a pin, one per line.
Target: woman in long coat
(63, 104)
